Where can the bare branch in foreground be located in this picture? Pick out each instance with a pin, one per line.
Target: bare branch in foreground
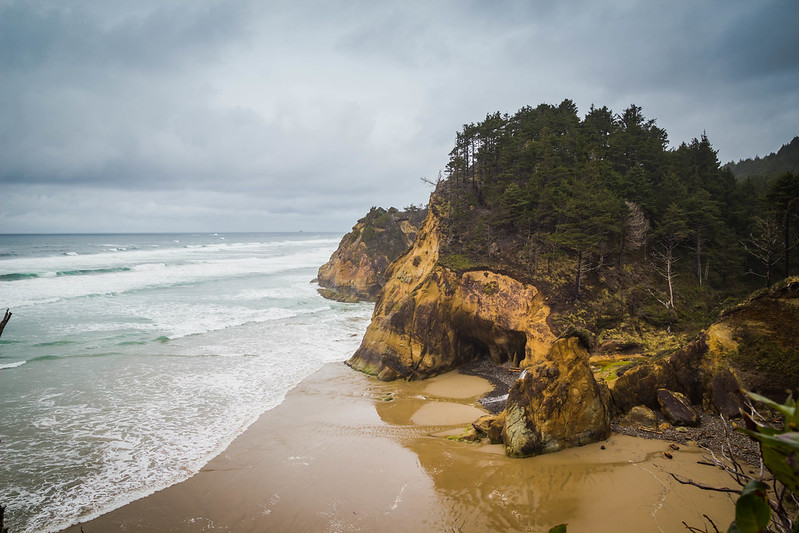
(703, 486)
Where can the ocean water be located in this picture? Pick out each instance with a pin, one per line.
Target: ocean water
(131, 360)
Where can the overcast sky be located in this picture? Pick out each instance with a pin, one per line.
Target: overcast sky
(193, 115)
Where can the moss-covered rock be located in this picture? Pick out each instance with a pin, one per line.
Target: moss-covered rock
(752, 345)
(491, 426)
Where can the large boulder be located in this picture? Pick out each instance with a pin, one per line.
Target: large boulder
(677, 408)
(491, 426)
(556, 404)
(640, 416)
(638, 385)
(727, 397)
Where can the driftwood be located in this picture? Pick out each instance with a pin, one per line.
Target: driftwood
(3, 322)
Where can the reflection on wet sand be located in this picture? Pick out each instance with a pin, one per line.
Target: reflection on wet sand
(622, 484)
(346, 452)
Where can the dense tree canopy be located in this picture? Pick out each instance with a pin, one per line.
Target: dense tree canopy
(544, 187)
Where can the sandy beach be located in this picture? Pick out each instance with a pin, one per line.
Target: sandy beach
(345, 452)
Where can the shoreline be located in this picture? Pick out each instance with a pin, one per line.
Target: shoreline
(346, 452)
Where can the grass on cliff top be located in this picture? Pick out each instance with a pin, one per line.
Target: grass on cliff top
(457, 262)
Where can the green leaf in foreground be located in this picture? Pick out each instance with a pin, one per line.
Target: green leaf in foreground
(788, 409)
(752, 512)
(561, 528)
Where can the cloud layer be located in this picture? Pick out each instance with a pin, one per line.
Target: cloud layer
(278, 116)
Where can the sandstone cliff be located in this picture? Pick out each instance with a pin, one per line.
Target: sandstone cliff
(357, 269)
(430, 318)
(753, 345)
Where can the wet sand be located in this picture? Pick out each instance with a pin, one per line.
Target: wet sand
(345, 452)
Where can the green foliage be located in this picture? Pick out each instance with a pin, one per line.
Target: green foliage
(368, 234)
(561, 528)
(784, 160)
(752, 511)
(381, 231)
(490, 288)
(762, 352)
(779, 450)
(457, 262)
(779, 447)
(660, 316)
(553, 192)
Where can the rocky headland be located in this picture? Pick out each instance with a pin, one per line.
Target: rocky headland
(431, 318)
(357, 269)
(596, 263)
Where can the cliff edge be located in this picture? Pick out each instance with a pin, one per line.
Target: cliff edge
(357, 269)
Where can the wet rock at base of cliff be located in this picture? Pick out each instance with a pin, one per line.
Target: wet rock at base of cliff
(638, 386)
(677, 408)
(491, 426)
(556, 404)
(332, 294)
(727, 397)
(640, 416)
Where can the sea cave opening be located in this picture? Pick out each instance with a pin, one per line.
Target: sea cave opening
(484, 339)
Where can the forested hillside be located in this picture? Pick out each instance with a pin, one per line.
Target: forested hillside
(625, 232)
(780, 162)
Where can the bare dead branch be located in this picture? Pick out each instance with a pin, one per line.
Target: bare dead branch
(703, 486)
(5, 320)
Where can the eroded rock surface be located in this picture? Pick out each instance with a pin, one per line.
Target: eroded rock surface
(357, 269)
(556, 404)
(751, 346)
(430, 319)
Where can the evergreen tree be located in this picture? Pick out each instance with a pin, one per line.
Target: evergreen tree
(783, 197)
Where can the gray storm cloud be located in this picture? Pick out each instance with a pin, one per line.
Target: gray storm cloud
(260, 116)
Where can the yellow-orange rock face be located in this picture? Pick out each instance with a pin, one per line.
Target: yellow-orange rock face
(352, 275)
(357, 269)
(429, 319)
(556, 404)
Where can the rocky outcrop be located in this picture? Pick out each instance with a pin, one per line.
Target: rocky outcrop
(726, 393)
(640, 416)
(357, 269)
(556, 404)
(751, 346)
(677, 408)
(491, 426)
(430, 319)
